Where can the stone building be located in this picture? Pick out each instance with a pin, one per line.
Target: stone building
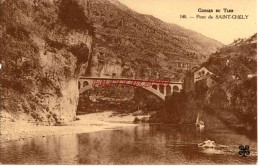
(201, 73)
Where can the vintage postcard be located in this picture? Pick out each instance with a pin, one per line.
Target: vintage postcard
(128, 82)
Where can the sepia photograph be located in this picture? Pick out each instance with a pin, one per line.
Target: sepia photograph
(128, 82)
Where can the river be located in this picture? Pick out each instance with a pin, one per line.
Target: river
(142, 144)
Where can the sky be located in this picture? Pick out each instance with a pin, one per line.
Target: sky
(223, 30)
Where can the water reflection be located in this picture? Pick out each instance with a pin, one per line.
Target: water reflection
(144, 144)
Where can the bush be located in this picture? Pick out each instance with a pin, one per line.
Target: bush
(73, 16)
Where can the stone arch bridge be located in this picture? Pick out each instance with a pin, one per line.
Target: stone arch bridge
(87, 83)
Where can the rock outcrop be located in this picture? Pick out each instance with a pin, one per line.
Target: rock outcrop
(46, 45)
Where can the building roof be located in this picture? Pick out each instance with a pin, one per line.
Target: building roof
(202, 68)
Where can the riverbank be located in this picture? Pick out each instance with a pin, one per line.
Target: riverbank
(18, 130)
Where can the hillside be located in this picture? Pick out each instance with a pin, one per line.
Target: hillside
(129, 44)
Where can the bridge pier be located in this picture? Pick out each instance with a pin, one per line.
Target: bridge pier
(171, 86)
(164, 90)
(79, 84)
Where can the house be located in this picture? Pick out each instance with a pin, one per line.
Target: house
(200, 74)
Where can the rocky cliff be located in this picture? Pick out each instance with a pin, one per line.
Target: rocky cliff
(46, 45)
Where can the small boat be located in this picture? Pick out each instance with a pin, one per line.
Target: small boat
(199, 123)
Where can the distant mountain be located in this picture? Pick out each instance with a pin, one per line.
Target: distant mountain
(129, 44)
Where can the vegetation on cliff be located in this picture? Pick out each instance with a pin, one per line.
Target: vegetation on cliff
(43, 50)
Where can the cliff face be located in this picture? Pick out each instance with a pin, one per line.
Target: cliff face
(227, 98)
(129, 44)
(45, 45)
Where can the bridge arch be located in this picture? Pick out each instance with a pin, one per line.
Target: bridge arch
(162, 89)
(85, 83)
(175, 88)
(154, 86)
